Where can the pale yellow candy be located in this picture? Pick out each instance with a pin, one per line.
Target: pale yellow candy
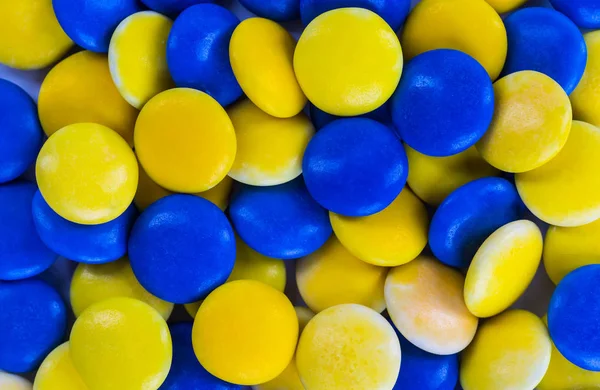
(14, 382)
(586, 97)
(502, 6)
(304, 315)
(57, 372)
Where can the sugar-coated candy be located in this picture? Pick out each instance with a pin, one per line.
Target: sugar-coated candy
(355, 167)
(121, 343)
(278, 10)
(15, 382)
(424, 299)
(502, 6)
(57, 372)
(430, 115)
(348, 61)
(172, 7)
(321, 119)
(181, 248)
(585, 99)
(245, 332)
(33, 321)
(585, 13)
(20, 131)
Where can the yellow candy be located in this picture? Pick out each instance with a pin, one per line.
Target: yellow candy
(270, 149)
(502, 268)
(219, 194)
(425, 301)
(121, 343)
(57, 372)
(566, 190)
(586, 97)
(304, 315)
(30, 36)
(138, 57)
(79, 89)
(502, 6)
(185, 140)
(245, 332)
(332, 276)
(471, 26)
(261, 54)
(87, 173)
(348, 347)
(348, 61)
(192, 308)
(389, 238)
(14, 382)
(510, 351)
(434, 178)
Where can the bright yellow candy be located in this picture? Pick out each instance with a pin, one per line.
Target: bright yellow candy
(434, 178)
(586, 97)
(348, 61)
(185, 140)
(502, 268)
(261, 54)
(332, 276)
(510, 351)
(79, 89)
(502, 6)
(138, 57)
(87, 173)
(389, 238)
(471, 26)
(14, 382)
(57, 372)
(245, 332)
(566, 190)
(30, 36)
(531, 122)
(121, 343)
(425, 301)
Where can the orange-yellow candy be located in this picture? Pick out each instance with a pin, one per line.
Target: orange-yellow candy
(57, 372)
(502, 6)
(586, 97)
(14, 382)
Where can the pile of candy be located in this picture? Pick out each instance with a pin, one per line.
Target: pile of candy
(402, 162)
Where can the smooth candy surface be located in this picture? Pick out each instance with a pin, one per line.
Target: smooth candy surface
(172, 7)
(502, 6)
(348, 61)
(585, 13)
(57, 372)
(14, 382)
(585, 99)
(321, 119)
(456, 83)
(278, 10)
(393, 11)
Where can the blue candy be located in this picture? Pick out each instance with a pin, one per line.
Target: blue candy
(198, 52)
(321, 119)
(283, 222)
(33, 320)
(469, 215)
(584, 13)
(279, 10)
(172, 8)
(20, 131)
(546, 41)
(181, 248)
(444, 102)
(355, 167)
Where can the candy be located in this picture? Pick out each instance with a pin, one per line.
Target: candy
(348, 61)
(502, 6)
(172, 7)
(58, 373)
(278, 10)
(443, 131)
(13, 382)
(586, 97)
(321, 119)
(585, 13)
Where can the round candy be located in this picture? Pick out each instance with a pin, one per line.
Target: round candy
(355, 167)
(586, 97)
(121, 343)
(282, 221)
(502, 268)
(91, 23)
(15, 382)
(430, 115)
(93, 162)
(33, 321)
(289, 379)
(566, 190)
(502, 6)
(510, 351)
(585, 13)
(252, 312)
(137, 57)
(261, 54)
(57, 372)
(20, 131)
(172, 7)
(278, 10)
(22, 252)
(269, 149)
(469, 215)
(321, 119)
(389, 238)
(185, 140)
(198, 52)
(332, 276)
(348, 61)
(79, 89)
(348, 347)
(425, 301)
(181, 248)
(471, 26)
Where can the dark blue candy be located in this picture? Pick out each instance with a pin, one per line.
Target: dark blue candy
(355, 167)
(546, 41)
(20, 131)
(198, 52)
(321, 119)
(574, 317)
(282, 221)
(279, 10)
(92, 244)
(469, 215)
(181, 248)
(585, 13)
(172, 8)
(444, 102)
(33, 320)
